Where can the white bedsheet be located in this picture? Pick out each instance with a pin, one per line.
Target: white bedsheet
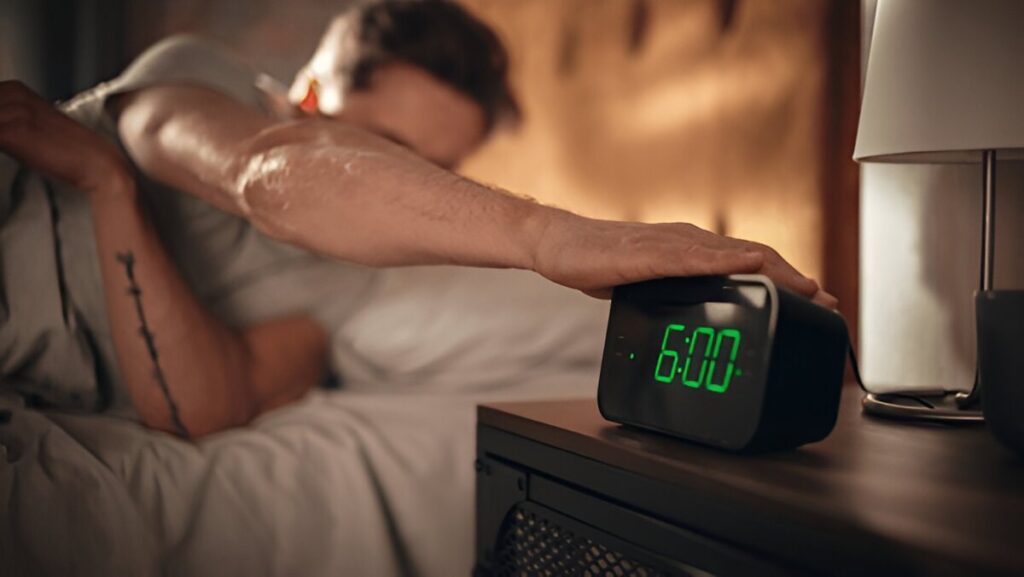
(364, 481)
(339, 484)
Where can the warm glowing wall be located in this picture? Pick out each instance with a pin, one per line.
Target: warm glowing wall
(670, 110)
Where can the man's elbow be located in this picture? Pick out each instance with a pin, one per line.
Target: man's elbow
(264, 191)
(210, 422)
(279, 183)
(282, 177)
(197, 420)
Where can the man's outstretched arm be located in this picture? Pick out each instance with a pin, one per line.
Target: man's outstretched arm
(348, 193)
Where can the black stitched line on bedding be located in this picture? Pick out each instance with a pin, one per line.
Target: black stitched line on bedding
(128, 260)
(58, 250)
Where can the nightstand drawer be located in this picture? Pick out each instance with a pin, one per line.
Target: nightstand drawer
(531, 523)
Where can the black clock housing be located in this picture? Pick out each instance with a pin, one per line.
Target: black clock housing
(732, 362)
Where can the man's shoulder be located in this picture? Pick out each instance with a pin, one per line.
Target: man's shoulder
(179, 59)
(184, 53)
(184, 43)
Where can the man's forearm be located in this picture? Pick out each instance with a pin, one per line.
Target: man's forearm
(187, 372)
(181, 367)
(350, 194)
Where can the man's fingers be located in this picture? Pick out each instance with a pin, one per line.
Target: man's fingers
(14, 91)
(603, 294)
(45, 139)
(15, 122)
(17, 110)
(826, 300)
(742, 261)
(804, 285)
(795, 282)
(15, 113)
(787, 275)
(701, 260)
(768, 262)
(737, 262)
(782, 273)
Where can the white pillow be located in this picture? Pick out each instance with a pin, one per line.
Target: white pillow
(458, 328)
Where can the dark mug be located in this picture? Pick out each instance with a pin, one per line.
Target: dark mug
(1000, 318)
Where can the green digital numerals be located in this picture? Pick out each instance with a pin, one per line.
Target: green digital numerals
(710, 358)
(667, 353)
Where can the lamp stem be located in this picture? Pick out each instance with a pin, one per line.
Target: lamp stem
(988, 223)
(988, 256)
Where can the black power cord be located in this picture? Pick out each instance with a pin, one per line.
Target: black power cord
(855, 366)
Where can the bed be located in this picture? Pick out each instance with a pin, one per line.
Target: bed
(373, 479)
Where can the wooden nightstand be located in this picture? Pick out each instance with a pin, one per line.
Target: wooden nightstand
(560, 491)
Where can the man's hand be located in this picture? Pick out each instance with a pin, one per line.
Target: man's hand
(594, 255)
(46, 140)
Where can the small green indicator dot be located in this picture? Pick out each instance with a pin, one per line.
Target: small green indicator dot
(632, 356)
(679, 371)
(739, 373)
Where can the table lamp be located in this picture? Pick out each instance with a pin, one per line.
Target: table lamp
(945, 84)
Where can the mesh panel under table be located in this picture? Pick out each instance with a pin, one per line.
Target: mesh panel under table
(535, 544)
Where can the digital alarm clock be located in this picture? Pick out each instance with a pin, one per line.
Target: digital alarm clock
(732, 362)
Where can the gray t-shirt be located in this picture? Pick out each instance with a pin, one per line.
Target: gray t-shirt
(55, 342)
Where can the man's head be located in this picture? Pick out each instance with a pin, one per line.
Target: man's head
(422, 72)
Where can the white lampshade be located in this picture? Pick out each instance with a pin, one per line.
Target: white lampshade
(945, 81)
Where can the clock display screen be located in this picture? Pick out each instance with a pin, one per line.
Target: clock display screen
(698, 356)
(693, 357)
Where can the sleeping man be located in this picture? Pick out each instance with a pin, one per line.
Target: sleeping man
(182, 257)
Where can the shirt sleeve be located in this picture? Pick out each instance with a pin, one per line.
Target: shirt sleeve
(181, 59)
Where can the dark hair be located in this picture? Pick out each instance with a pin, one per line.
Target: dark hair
(443, 39)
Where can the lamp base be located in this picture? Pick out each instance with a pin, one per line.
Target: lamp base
(933, 407)
(1000, 363)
